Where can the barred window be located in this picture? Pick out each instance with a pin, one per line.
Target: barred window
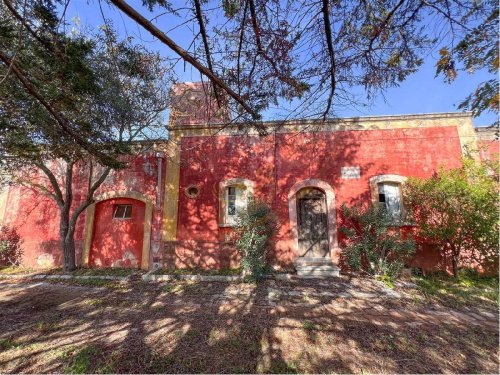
(122, 211)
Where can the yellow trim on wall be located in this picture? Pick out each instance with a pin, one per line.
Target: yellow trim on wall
(462, 121)
(171, 201)
(3, 203)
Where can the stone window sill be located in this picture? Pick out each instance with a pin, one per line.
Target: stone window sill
(225, 225)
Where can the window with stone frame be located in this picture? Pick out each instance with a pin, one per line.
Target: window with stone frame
(389, 199)
(236, 201)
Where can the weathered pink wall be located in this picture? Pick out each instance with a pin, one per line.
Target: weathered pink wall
(275, 163)
(36, 216)
(117, 242)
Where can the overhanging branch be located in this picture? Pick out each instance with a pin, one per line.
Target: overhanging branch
(137, 17)
(331, 54)
(61, 120)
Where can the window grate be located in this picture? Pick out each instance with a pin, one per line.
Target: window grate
(122, 211)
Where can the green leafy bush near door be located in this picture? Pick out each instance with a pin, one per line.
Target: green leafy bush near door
(373, 243)
(255, 227)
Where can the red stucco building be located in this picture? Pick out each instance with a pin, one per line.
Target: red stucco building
(174, 205)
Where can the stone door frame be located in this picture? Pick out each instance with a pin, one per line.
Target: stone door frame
(330, 209)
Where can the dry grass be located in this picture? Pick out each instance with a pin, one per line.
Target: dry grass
(189, 327)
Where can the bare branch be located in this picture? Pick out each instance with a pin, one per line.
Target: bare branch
(133, 14)
(53, 181)
(90, 196)
(331, 54)
(201, 24)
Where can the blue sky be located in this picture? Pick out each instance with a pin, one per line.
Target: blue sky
(420, 93)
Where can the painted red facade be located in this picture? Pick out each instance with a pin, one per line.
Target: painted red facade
(117, 242)
(274, 164)
(36, 216)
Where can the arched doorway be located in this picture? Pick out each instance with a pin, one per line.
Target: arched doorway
(118, 233)
(312, 223)
(326, 190)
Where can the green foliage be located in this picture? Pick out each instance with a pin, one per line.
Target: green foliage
(458, 209)
(478, 50)
(72, 101)
(372, 243)
(231, 7)
(11, 252)
(80, 361)
(255, 225)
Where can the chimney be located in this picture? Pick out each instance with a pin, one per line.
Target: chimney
(194, 103)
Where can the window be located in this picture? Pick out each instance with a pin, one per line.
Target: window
(234, 194)
(389, 198)
(122, 211)
(236, 201)
(192, 191)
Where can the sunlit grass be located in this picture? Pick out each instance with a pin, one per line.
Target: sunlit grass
(198, 271)
(469, 289)
(11, 270)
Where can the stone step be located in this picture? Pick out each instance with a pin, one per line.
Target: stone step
(312, 262)
(332, 273)
(315, 267)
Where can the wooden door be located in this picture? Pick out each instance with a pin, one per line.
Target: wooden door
(312, 223)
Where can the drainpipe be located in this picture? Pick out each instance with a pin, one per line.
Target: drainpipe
(159, 158)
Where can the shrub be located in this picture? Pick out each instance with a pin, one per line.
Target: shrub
(255, 226)
(458, 209)
(10, 246)
(372, 243)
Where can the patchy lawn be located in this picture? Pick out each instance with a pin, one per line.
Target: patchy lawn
(196, 271)
(337, 325)
(9, 270)
(468, 289)
(78, 272)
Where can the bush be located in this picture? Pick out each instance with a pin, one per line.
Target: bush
(10, 246)
(372, 243)
(255, 225)
(458, 209)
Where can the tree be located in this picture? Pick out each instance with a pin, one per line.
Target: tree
(311, 55)
(458, 210)
(255, 227)
(373, 243)
(109, 93)
(476, 51)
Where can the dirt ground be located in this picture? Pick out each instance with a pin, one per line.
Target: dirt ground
(337, 325)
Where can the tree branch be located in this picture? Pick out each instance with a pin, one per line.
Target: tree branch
(53, 181)
(203, 32)
(331, 54)
(134, 15)
(21, 19)
(90, 196)
(384, 23)
(63, 122)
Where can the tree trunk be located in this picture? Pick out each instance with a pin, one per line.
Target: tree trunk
(454, 261)
(69, 253)
(454, 264)
(67, 232)
(67, 242)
